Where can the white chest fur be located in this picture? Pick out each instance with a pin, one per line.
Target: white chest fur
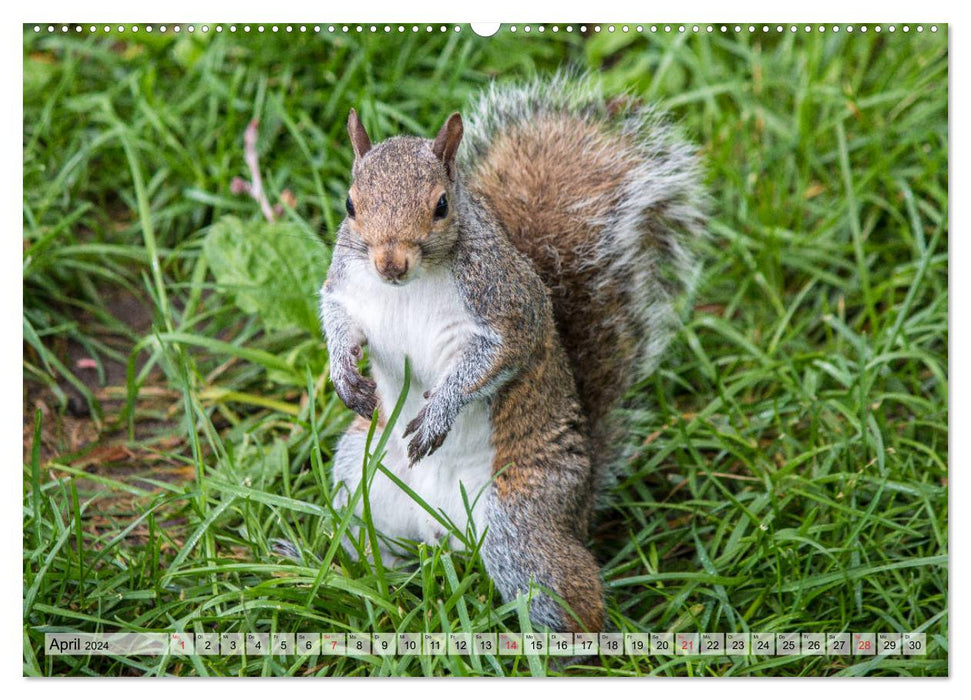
(426, 321)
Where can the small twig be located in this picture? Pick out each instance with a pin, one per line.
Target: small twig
(253, 163)
(254, 188)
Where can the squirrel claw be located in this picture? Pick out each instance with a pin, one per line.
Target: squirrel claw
(365, 407)
(414, 424)
(419, 449)
(425, 441)
(357, 392)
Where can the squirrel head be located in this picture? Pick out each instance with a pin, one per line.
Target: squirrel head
(400, 203)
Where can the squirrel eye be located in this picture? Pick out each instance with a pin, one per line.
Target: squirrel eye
(441, 209)
(349, 205)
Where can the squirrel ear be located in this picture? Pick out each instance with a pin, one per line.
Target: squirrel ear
(447, 142)
(359, 137)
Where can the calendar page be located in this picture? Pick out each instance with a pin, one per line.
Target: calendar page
(584, 349)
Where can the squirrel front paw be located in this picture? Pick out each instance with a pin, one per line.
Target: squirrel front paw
(359, 393)
(430, 427)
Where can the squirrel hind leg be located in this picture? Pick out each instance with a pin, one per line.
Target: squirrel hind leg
(346, 476)
(523, 546)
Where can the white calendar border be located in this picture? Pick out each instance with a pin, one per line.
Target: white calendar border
(507, 10)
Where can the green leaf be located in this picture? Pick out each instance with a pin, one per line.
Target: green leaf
(271, 269)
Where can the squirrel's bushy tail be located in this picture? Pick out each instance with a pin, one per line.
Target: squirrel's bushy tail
(606, 199)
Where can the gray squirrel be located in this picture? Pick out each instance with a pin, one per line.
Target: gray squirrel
(526, 261)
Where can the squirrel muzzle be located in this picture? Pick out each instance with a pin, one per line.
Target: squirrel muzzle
(394, 262)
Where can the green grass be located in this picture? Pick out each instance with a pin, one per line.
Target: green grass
(788, 466)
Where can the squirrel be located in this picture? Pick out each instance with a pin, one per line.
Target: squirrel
(527, 262)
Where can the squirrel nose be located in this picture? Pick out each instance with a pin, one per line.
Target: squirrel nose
(394, 270)
(393, 264)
